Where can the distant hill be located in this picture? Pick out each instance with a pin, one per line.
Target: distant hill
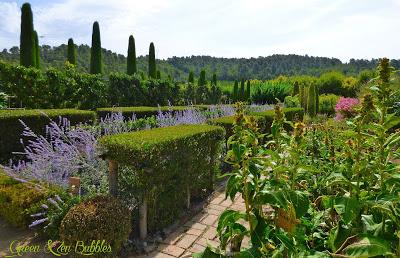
(226, 68)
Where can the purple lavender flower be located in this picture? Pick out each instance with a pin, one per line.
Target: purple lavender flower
(38, 222)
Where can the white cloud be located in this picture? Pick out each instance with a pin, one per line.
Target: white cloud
(240, 28)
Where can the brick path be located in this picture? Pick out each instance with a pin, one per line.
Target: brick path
(193, 236)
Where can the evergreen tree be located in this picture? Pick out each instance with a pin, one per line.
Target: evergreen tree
(37, 50)
(235, 91)
(152, 61)
(295, 88)
(96, 65)
(202, 78)
(131, 58)
(301, 95)
(311, 104)
(158, 74)
(248, 93)
(189, 92)
(214, 80)
(71, 52)
(27, 44)
(317, 98)
(241, 92)
(191, 77)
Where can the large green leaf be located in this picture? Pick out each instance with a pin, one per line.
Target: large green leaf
(367, 246)
(208, 253)
(347, 207)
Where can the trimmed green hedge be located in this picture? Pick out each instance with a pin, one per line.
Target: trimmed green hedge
(18, 201)
(164, 163)
(11, 128)
(140, 112)
(264, 119)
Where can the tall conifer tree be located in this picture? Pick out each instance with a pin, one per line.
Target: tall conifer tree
(27, 39)
(236, 91)
(152, 61)
(131, 59)
(71, 52)
(96, 65)
(241, 92)
(248, 94)
(191, 77)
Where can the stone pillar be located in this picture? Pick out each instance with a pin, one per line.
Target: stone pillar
(113, 177)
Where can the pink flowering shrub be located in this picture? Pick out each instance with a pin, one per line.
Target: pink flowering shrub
(345, 107)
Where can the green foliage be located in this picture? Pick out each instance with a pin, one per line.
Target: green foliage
(131, 58)
(327, 104)
(242, 91)
(19, 200)
(236, 91)
(292, 101)
(270, 92)
(336, 83)
(191, 77)
(164, 164)
(71, 52)
(37, 49)
(27, 38)
(3, 100)
(152, 62)
(139, 111)
(11, 128)
(101, 218)
(228, 122)
(248, 93)
(296, 89)
(311, 101)
(96, 62)
(202, 79)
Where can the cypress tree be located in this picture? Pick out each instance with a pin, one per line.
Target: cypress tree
(214, 80)
(131, 58)
(236, 91)
(295, 88)
(158, 74)
(71, 52)
(311, 104)
(37, 50)
(27, 44)
(241, 92)
(152, 61)
(317, 98)
(191, 77)
(202, 78)
(96, 65)
(301, 95)
(248, 94)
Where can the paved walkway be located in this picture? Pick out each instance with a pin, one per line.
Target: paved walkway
(194, 236)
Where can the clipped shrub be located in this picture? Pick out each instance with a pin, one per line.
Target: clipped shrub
(19, 200)
(101, 218)
(163, 164)
(139, 112)
(11, 128)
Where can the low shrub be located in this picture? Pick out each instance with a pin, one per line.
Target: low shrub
(139, 112)
(163, 164)
(19, 200)
(11, 128)
(101, 218)
(327, 103)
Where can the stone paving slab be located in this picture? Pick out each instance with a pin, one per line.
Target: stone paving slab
(193, 236)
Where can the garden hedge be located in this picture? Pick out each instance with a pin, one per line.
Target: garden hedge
(11, 128)
(163, 163)
(18, 200)
(140, 112)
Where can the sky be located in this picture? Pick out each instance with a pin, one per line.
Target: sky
(361, 29)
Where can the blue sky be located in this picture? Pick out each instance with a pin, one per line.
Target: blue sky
(225, 28)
